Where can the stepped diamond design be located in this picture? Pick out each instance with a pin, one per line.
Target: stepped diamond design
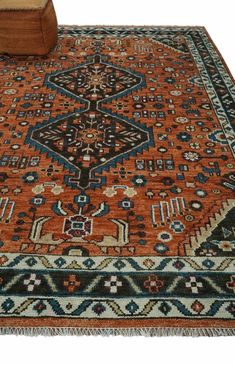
(89, 142)
(93, 140)
(96, 80)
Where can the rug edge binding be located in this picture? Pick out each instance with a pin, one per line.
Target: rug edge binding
(126, 332)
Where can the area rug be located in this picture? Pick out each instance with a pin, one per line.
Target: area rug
(117, 183)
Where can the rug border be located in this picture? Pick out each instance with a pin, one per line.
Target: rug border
(199, 27)
(142, 327)
(219, 53)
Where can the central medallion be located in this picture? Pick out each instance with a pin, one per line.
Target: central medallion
(89, 142)
(92, 140)
(95, 80)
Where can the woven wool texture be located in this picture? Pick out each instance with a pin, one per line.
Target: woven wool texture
(23, 4)
(117, 185)
(27, 30)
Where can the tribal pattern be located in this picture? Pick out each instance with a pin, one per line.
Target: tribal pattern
(117, 181)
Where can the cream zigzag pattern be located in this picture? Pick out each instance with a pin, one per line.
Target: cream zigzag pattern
(204, 232)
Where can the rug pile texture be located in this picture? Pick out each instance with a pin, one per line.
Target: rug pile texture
(117, 185)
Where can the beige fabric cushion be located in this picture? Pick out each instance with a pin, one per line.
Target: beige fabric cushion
(22, 4)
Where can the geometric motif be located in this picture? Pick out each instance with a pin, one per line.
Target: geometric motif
(91, 141)
(96, 80)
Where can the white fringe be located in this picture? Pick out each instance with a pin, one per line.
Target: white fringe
(146, 331)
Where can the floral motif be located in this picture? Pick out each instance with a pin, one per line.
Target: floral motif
(32, 282)
(194, 145)
(3, 259)
(191, 156)
(98, 308)
(231, 308)
(153, 284)
(139, 180)
(193, 284)
(40, 307)
(218, 136)
(130, 192)
(170, 80)
(3, 177)
(181, 120)
(78, 226)
(113, 284)
(110, 192)
(72, 283)
(226, 246)
(161, 248)
(184, 137)
(177, 226)
(231, 284)
(38, 200)
(82, 200)
(197, 306)
(126, 204)
(57, 190)
(164, 236)
(30, 177)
